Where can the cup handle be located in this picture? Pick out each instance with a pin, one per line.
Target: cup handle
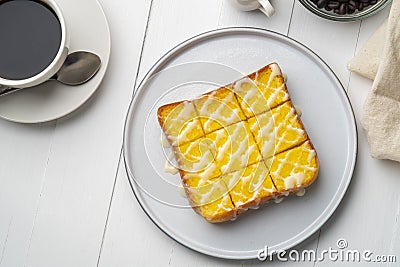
(5, 90)
(266, 7)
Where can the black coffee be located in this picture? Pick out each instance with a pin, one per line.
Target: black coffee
(30, 35)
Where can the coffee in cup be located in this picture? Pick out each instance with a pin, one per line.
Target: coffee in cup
(34, 42)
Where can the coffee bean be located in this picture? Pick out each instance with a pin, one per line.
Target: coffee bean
(352, 4)
(350, 10)
(333, 4)
(322, 3)
(343, 7)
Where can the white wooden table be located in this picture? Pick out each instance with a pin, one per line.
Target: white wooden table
(65, 199)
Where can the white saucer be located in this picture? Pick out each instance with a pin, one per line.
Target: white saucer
(89, 31)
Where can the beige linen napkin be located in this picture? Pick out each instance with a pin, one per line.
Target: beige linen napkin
(367, 60)
(381, 118)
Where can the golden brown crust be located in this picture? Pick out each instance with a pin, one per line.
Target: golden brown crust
(253, 75)
(317, 167)
(164, 111)
(221, 217)
(258, 202)
(312, 147)
(217, 92)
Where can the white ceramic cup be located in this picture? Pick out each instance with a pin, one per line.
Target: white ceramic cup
(248, 5)
(57, 62)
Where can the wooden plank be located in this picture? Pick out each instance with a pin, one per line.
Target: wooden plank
(368, 217)
(131, 238)
(334, 42)
(81, 168)
(229, 16)
(25, 151)
(172, 22)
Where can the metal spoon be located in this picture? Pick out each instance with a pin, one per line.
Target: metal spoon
(78, 68)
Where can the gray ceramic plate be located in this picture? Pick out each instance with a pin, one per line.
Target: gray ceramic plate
(201, 64)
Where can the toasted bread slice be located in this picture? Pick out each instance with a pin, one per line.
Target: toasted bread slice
(239, 146)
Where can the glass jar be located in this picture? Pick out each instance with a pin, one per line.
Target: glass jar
(369, 11)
